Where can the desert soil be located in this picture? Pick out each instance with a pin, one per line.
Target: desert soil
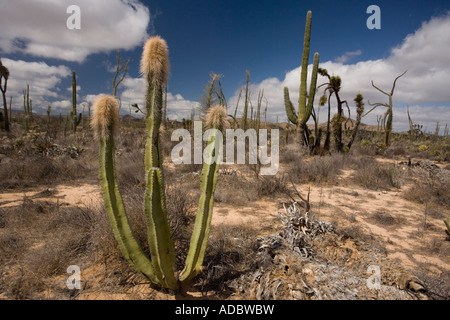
(382, 217)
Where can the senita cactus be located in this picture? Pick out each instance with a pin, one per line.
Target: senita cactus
(306, 100)
(159, 268)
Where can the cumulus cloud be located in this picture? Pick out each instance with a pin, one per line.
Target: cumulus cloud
(133, 91)
(347, 56)
(39, 27)
(423, 53)
(42, 78)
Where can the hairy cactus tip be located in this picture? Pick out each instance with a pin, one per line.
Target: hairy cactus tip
(155, 60)
(105, 119)
(216, 117)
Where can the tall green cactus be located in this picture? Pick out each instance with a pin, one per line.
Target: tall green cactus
(159, 268)
(306, 100)
(76, 119)
(245, 114)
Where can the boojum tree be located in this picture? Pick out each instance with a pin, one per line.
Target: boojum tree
(159, 267)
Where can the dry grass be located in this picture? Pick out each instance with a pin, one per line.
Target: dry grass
(317, 169)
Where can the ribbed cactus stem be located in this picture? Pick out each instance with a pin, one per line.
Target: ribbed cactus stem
(104, 122)
(76, 121)
(155, 68)
(304, 71)
(306, 100)
(216, 119)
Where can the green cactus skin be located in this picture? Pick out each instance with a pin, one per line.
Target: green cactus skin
(305, 101)
(160, 268)
(76, 120)
(115, 209)
(158, 227)
(202, 224)
(290, 110)
(245, 114)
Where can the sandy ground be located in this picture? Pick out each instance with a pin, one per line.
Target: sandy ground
(382, 217)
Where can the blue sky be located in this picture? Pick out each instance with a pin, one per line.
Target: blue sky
(229, 37)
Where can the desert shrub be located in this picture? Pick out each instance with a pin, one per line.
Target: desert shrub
(236, 190)
(293, 153)
(230, 253)
(317, 169)
(373, 175)
(429, 186)
(271, 185)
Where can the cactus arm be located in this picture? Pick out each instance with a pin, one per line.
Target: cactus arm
(115, 209)
(447, 224)
(304, 71)
(153, 157)
(312, 88)
(202, 224)
(158, 228)
(290, 111)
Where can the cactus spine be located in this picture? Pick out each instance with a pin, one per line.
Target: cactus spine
(305, 100)
(159, 269)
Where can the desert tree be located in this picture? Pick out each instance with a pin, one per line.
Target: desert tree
(388, 116)
(121, 72)
(333, 87)
(213, 95)
(359, 113)
(4, 76)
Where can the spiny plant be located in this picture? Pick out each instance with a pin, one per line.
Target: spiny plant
(76, 119)
(27, 107)
(333, 87)
(159, 267)
(388, 116)
(244, 124)
(306, 100)
(359, 113)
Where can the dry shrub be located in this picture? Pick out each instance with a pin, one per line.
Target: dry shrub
(382, 217)
(374, 176)
(230, 253)
(293, 153)
(236, 190)
(271, 185)
(317, 169)
(39, 241)
(131, 170)
(429, 187)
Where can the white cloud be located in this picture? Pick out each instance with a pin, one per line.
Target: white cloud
(424, 54)
(347, 56)
(39, 27)
(133, 91)
(42, 78)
